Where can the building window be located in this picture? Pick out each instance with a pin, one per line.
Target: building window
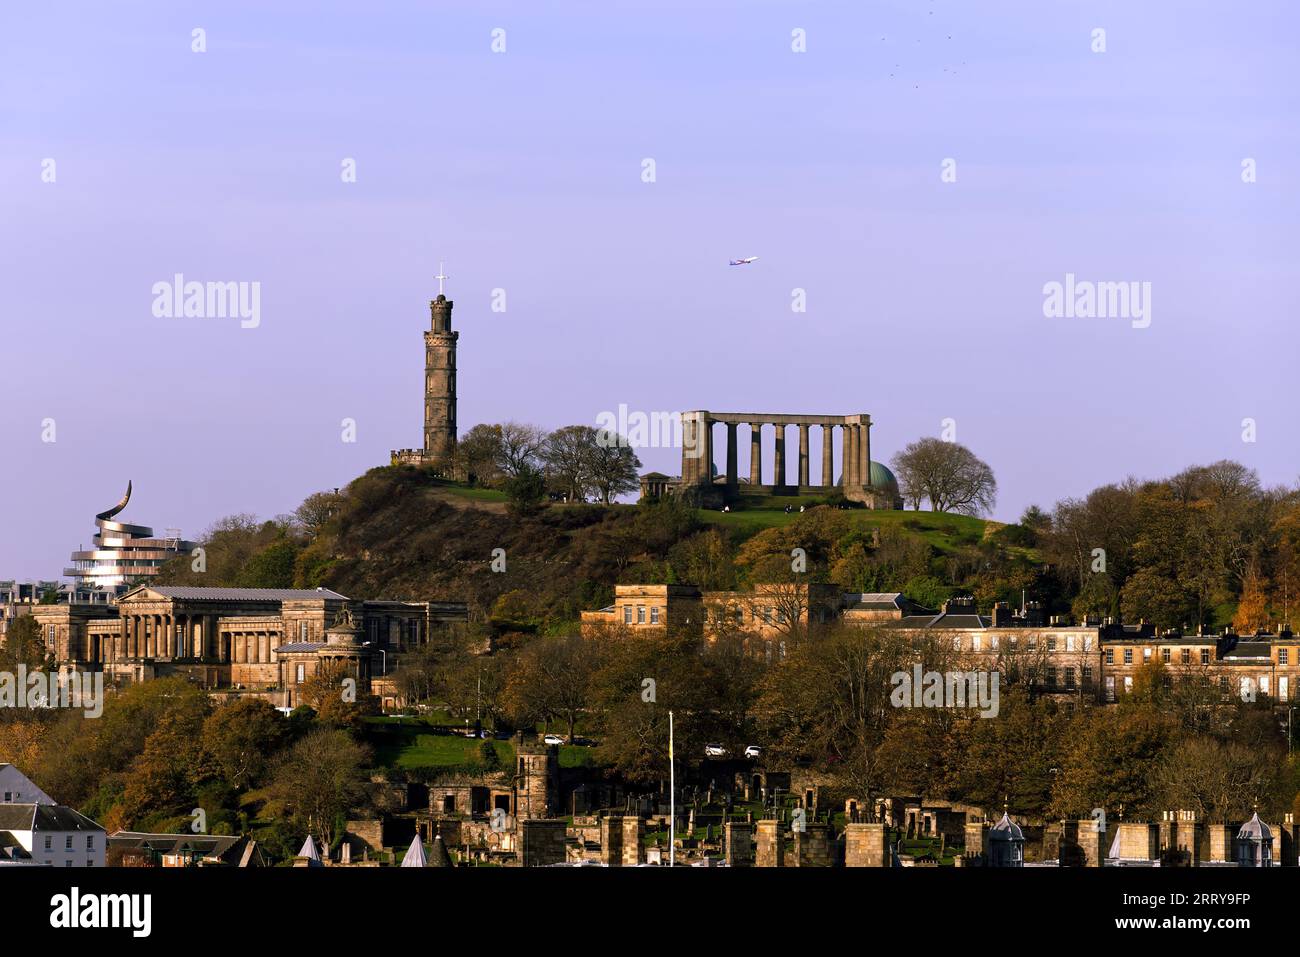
(1128, 656)
(1012, 641)
(654, 615)
(1087, 643)
(1110, 656)
(1263, 684)
(640, 614)
(1223, 683)
(956, 644)
(1165, 655)
(1205, 656)
(67, 843)
(1069, 642)
(1069, 677)
(302, 631)
(1051, 677)
(1033, 643)
(1187, 656)
(1146, 654)
(90, 842)
(1051, 643)
(49, 842)
(1128, 684)
(627, 614)
(302, 674)
(1282, 656)
(1087, 674)
(975, 643)
(993, 642)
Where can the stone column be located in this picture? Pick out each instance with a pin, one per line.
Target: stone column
(706, 476)
(866, 452)
(756, 454)
(688, 450)
(803, 456)
(769, 848)
(856, 431)
(828, 453)
(847, 455)
(733, 478)
(778, 458)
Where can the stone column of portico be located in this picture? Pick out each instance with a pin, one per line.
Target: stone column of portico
(688, 445)
(828, 451)
(803, 456)
(133, 641)
(866, 452)
(755, 454)
(733, 477)
(778, 457)
(850, 455)
(859, 478)
(706, 475)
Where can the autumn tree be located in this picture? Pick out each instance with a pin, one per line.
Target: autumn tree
(319, 780)
(242, 737)
(550, 679)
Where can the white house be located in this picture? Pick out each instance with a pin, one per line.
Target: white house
(36, 831)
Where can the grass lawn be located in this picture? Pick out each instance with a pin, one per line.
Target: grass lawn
(415, 744)
(944, 530)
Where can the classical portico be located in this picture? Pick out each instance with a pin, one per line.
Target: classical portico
(855, 452)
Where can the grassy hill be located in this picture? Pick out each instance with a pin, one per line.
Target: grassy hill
(399, 532)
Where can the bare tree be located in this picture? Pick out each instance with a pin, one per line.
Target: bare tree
(613, 466)
(521, 448)
(946, 474)
(567, 456)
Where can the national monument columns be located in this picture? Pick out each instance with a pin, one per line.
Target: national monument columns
(855, 451)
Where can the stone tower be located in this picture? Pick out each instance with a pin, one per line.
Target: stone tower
(537, 782)
(440, 384)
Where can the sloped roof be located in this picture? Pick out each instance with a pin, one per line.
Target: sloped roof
(1255, 830)
(1006, 830)
(415, 856)
(192, 593)
(439, 856)
(205, 845)
(44, 817)
(302, 646)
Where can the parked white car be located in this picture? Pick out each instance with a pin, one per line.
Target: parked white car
(753, 752)
(552, 739)
(714, 751)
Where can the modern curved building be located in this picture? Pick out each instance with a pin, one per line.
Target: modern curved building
(123, 555)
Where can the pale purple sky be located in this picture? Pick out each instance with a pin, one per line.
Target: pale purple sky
(523, 171)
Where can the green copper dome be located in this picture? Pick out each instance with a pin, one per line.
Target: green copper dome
(882, 478)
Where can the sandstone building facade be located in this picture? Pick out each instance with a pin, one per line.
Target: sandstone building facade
(260, 640)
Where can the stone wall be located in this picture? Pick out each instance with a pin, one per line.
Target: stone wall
(866, 845)
(543, 842)
(812, 846)
(769, 848)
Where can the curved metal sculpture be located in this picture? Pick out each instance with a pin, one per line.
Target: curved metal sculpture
(119, 506)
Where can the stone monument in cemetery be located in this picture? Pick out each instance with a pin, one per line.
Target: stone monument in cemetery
(860, 479)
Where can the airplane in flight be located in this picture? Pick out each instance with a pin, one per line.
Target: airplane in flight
(743, 262)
